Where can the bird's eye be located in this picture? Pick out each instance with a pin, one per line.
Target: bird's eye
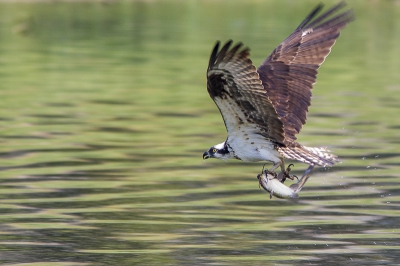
(214, 150)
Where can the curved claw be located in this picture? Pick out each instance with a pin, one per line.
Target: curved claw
(285, 174)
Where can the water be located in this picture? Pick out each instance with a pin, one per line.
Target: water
(105, 116)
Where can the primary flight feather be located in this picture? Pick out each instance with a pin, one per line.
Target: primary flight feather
(263, 109)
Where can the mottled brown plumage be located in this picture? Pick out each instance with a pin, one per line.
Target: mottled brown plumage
(231, 74)
(263, 109)
(289, 73)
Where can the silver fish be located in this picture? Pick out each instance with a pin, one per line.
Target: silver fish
(271, 183)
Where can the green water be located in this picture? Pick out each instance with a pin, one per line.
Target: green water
(104, 117)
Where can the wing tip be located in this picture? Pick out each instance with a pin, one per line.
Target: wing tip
(311, 21)
(226, 52)
(214, 54)
(310, 16)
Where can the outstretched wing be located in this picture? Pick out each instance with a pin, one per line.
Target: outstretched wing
(235, 87)
(289, 73)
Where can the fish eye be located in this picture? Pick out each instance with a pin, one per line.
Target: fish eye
(214, 150)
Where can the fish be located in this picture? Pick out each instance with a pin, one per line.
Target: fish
(269, 181)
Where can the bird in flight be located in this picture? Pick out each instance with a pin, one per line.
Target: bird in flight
(263, 109)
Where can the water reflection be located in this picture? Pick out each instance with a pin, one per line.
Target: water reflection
(106, 116)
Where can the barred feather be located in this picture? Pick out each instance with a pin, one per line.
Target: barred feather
(316, 156)
(263, 109)
(289, 73)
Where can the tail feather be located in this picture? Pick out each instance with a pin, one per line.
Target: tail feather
(317, 156)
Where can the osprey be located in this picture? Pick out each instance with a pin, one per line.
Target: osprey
(263, 109)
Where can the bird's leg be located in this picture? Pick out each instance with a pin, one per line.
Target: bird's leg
(285, 174)
(299, 185)
(276, 165)
(291, 177)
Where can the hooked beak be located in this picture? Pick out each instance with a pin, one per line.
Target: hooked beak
(206, 155)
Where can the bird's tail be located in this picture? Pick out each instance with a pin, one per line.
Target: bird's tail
(318, 156)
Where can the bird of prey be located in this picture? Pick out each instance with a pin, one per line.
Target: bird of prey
(263, 109)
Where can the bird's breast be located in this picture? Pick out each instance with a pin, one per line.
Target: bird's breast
(254, 150)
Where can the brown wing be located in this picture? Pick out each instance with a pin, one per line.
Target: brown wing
(289, 73)
(235, 87)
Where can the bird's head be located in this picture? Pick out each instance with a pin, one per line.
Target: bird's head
(219, 151)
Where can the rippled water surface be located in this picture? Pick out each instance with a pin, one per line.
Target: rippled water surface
(104, 116)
